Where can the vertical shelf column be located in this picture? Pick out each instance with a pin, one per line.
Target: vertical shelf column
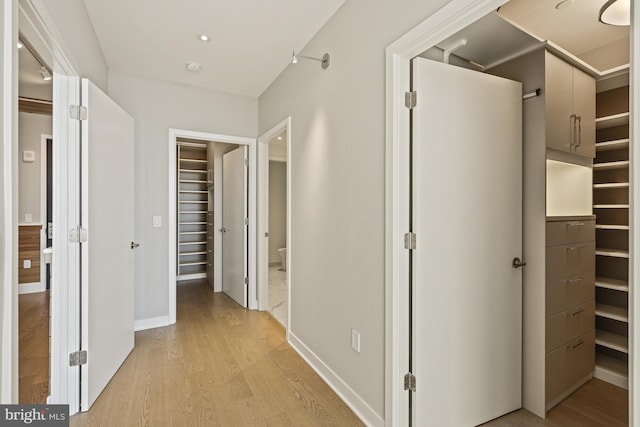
(193, 199)
(611, 205)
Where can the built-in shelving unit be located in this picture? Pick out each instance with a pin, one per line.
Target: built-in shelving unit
(193, 200)
(611, 205)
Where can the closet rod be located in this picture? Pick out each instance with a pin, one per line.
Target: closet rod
(531, 94)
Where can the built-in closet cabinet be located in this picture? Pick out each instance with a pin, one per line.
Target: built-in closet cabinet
(570, 110)
(558, 226)
(611, 204)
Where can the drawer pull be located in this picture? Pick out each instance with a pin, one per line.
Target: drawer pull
(572, 281)
(574, 248)
(573, 347)
(575, 224)
(575, 313)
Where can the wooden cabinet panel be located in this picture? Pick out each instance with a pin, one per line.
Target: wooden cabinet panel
(569, 364)
(29, 249)
(566, 232)
(584, 106)
(558, 103)
(569, 292)
(570, 260)
(568, 325)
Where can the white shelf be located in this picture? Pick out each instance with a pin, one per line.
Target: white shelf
(193, 170)
(612, 227)
(613, 341)
(193, 191)
(191, 233)
(191, 243)
(193, 161)
(195, 202)
(611, 185)
(612, 121)
(192, 212)
(196, 181)
(616, 144)
(622, 164)
(612, 312)
(612, 370)
(192, 253)
(614, 284)
(620, 206)
(616, 253)
(191, 264)
(193, 223)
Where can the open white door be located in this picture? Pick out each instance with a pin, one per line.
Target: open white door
(234, 227)
(467, 217)
(107, 191)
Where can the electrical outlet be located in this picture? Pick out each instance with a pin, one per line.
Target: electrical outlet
(157, 221)
(26, 264)
(355, 340)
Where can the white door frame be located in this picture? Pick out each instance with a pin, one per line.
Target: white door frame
(174, 134)
(43, 208)
(263, 216)
(454, 16)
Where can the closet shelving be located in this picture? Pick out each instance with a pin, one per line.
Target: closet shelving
(193, 199)
(611, 205)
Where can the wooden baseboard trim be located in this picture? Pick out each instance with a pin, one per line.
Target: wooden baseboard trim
(342, 389)
(155, 322)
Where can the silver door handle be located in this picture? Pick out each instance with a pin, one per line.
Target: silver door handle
(579, 138)
(517, 263)
(572, 137)
(134, 245)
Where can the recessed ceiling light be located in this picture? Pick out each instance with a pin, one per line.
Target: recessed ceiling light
(203, 37)
(564, 4)
(194, 67)
(280, 138)
(20, 45)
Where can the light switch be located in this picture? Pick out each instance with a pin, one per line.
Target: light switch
(26, 264)
(28, 217)
(355, 340)
(157, 221)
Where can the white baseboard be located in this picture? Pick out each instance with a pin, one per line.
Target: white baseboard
(191, 277)
(348, 396)
(155, 322)
(30, 288)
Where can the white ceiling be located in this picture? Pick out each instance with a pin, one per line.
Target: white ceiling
(251, 40)
(575, 28)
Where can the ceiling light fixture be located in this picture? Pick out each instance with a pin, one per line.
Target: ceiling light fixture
(46, 74)
(616, 12)
(564, 4)
(203, 37)
(324, 61)
(194, 67)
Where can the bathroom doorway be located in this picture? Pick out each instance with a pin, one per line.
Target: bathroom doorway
(274, 230)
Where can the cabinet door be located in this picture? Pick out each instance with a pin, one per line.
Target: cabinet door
(558, 103)
(584, 107)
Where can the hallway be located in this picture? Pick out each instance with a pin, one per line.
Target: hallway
(219, 365)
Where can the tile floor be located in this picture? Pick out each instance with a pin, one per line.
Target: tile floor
(278, 294)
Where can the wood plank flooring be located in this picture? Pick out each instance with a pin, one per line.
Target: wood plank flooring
(219, 365)
(33, 348)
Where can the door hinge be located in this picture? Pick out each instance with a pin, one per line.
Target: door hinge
(410, 382)
(78, 235)
(78, 112)
(78, 358)
(246, 280)
(246, 162)
(410, 241)
(410, 99)
(246, 221)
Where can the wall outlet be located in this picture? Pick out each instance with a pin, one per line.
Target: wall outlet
(26, 264)
(28, 217)
(355, 340)
(157, 221)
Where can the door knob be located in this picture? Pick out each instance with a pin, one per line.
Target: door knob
(134, 245)
(516, 263)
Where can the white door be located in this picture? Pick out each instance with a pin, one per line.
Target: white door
(467, 216)
(234, 214)
(107, 192)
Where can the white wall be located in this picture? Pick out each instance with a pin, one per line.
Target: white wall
(338, 182)
(31, 128)
(157, 106)
(277, 209)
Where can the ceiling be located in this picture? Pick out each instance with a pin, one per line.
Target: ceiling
(251, 41)
(30, 82)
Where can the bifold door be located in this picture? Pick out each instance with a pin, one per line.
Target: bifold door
(467, 217)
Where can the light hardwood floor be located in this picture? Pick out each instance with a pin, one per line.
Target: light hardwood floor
(219, 365)
(33, 348)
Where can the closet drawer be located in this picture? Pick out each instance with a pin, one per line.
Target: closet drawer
(569, 325)
(569, 364)
(566, 232)
(564, 293)
(570, 260)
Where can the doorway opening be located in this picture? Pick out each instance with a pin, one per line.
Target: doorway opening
(274, 225)
(461, 35)
(35, 126)
(206, 241)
